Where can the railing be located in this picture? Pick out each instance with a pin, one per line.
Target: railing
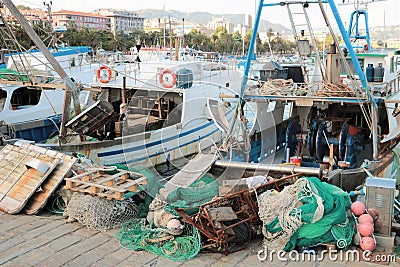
(393, 86)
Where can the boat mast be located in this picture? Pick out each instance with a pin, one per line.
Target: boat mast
(71, 90)
(360, 73)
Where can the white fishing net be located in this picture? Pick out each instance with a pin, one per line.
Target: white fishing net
(99, 213)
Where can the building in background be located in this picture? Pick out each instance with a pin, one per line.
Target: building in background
(34, 16)
(122, 20)
(81, 20)
(220, 22)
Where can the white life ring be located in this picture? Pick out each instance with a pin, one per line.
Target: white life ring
(104, 74)
(167, 78)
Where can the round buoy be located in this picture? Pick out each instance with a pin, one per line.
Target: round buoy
(365, 229)
(356, 239)
(174, 224)
(378, 226)
(367, 243)
(365, 218)
(358, 208)
(374, 213)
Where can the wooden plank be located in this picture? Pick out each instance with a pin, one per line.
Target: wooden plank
(109, 186)
(79, 185)
(18, 185)
(194, 170)
(39, 199)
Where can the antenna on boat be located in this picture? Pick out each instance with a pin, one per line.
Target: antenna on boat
(71, 90)
(360, 9)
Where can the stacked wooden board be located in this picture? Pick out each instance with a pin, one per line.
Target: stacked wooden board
(99, 183)
(22, 172)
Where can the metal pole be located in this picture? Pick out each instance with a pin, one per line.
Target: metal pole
(346, 40)
(70, 89)
(247, 67)
(375, 141)
(170, 39)
(271, 167)
(183, 32)
(165, 21)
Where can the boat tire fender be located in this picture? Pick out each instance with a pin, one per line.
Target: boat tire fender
(101, 77)
(167, 78)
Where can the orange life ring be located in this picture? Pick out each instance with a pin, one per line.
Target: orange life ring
(167, 78)
(104, 78)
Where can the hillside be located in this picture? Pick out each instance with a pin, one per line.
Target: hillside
(203, 17)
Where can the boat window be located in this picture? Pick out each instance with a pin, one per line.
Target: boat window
(3, 97)
(25, 97)
(271, 106)
(351, 65)
(395, 64)
(287, 111)
(152, 112)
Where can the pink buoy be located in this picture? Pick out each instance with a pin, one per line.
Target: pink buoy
(374, 213)
(358, 208)
(367, 243)
(365, 218)
(174, 224)
(365, 229)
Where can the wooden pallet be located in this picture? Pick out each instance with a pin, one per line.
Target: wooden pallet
(40, 198)
(22, 172)
(99, 183)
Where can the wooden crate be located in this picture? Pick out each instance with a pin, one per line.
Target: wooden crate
(99, 183)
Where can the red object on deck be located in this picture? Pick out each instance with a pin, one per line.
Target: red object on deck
(353, 130)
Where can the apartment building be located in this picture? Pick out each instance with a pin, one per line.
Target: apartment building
(81, 20)
(122, 20)
(220, 22)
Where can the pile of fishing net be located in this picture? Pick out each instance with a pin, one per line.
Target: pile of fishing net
(304, 214)
(156, 235)
(190, 198)
(136, 235)
(103, 214)
(99, 213)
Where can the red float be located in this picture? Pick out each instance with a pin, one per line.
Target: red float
(365, 218)
(367, 243)
(365, 229)
(358, 208)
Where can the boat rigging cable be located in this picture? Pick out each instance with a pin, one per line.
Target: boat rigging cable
(8, 35)
(366, 113)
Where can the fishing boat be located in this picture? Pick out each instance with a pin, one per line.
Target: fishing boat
(342, 130)
(32, 94)
(136, 113)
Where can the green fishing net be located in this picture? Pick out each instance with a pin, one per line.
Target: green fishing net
(136, 235)
(152, 187)
(317, 227)
(190, 198)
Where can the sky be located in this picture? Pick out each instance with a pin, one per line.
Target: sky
(380, 12)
